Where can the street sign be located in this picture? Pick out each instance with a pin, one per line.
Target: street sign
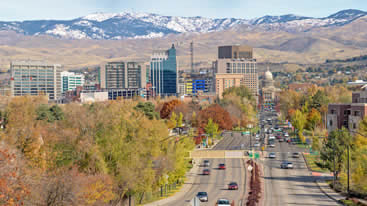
(257, 155)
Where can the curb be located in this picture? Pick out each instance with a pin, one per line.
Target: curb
(179, 193)
(325, 193)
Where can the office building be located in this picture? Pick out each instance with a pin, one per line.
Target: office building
(348, 115)
(246, 67)
(235, 52)
(122, 75)
(225, 81)
(163, 72)
(35, 78)
(71, 81)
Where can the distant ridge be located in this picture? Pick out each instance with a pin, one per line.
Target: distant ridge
(146, 25)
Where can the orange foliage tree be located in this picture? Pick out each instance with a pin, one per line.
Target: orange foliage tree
(168, 107)
(13, 189)
(217, 114)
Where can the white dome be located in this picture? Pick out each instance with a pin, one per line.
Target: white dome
(268, 75)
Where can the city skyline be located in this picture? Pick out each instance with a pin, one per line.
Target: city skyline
(41, 9)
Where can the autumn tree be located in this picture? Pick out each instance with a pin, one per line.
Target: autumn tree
(299, 120)
(13, 188)
(168, 107)
(219, 116)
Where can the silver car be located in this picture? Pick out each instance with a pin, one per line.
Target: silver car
(272, 155)
(286, 165)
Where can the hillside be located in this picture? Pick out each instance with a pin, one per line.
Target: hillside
(312, 46)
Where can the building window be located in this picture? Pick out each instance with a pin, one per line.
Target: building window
(331, 122)
(354, 126)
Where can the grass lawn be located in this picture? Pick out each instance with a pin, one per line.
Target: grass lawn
(311, 162)
(349, 203)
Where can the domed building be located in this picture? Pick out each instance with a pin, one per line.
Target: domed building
(268, 90)
(268, 82)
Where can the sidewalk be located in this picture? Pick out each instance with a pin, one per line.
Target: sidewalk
(325, 188)
(190, 180)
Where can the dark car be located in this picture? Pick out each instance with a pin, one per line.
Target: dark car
(222, 166)
(206, 172)
(233, 186)
(203, 196)
(206, 163)
(295, 155)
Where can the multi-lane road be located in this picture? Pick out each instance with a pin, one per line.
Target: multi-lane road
(282, 186)
(290, 186)
(216, 184)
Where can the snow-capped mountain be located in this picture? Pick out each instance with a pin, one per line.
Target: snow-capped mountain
(145, 25)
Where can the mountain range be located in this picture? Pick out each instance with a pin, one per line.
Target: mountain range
(131, 25)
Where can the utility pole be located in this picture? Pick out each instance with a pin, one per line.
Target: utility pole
(192, 56)
(348, 191)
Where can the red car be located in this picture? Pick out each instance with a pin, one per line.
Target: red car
(206, 172)
(233, 186)
(222, 166)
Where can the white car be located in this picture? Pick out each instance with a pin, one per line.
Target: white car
(271, 137)
(272, 155)
(223, 202)
(286, 135)
(257, 144)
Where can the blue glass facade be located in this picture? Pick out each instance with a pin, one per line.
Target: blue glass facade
(198, 85)
(164, 72)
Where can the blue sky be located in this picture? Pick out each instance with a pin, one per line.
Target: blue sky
(69, 9)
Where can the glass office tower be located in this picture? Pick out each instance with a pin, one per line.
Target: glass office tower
(163, 68)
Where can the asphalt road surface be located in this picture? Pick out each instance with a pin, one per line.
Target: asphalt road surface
(290, 186)
(216, 183)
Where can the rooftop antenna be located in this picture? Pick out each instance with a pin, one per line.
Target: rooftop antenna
(192, 56)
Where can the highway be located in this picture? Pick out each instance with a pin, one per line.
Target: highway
(216, 183)
(290, 186)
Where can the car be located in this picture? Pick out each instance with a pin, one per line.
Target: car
(286, 134)
(233, 186)
(206, 172)
(272, 145)
(272, 155)
(286, 165)
(278, 137)
(295, 155)
(223, 202)
(203, 196)
(257, 138)
(206, 163)
(271, 137)
(222, 166)
(257, 144)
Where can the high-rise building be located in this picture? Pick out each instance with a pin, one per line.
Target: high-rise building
(71, 81)
(225, 81)
(163, 72)
(122, 75)
(246, 67)
(235, 52)
(35, 78)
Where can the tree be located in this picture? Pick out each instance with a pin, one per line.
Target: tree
(13, 189)
(172, 122)
(193, 119)
(313, 119)
(148, 109)
(168, 107)
(299, 120)
(333, 149)
(217, 114)
(318, 100)
(179, 120)
(211, 129)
